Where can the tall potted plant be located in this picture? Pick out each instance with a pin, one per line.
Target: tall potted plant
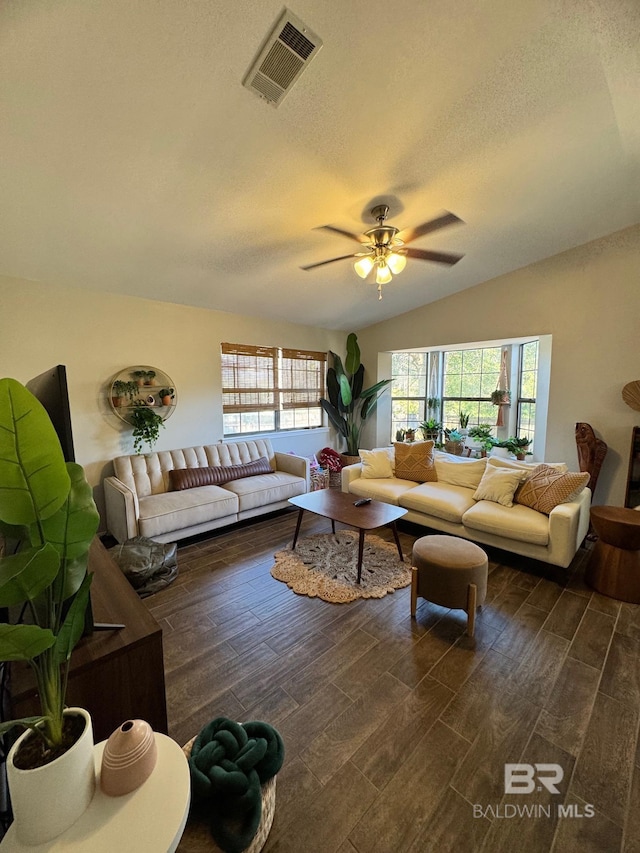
(349, 405)
(47, 511)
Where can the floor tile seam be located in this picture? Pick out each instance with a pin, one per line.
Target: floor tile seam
(635, 768)
(328, 680)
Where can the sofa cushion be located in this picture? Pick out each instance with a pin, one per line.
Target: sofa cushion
(376, 464)
(415, 462)
(388, 490)
(521, 465)
(498, 485)
(546, 487)
(257, 491)
(216, 475)
(459, 472)
(171, 511)
(516, 522)
(438, 499)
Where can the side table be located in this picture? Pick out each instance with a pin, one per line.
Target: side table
(150, 819)
(614, 567)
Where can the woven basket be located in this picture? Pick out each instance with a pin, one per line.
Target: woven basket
(335, 479)
(197, 836)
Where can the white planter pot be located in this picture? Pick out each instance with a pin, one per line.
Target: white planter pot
(49, 799)
(501, 453)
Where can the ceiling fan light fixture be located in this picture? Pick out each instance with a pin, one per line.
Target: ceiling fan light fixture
(396, 262)
(363, 266)
(383, 274)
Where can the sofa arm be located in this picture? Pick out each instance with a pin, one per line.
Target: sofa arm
(350, 473)
(568, 526)
(122, 509)
(296, 465)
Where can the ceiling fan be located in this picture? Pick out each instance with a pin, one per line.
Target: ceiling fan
(385, 246)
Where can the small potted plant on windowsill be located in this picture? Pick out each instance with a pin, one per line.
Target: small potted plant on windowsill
(464, 423)
(146, 425)
(430, 429)
(481, 436)
(519, 446)
(454, 442)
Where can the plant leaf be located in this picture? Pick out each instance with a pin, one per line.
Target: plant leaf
(345, 391)
(375, 389)
(27, 722)
(33, 478)
(23, 576)
(357, 381)
(352, 361)
(71, 529)
(333, 387)
(335, 417)
(73, 625)
(24, 642)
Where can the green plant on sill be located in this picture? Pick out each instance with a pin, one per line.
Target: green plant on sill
(482, 434)
(453, 435)
(517, 445)
(430, 429)
(464, 419)
(349, 405)
(146, 425)
(47, 508)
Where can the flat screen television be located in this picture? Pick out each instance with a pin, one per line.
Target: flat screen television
(50, 388)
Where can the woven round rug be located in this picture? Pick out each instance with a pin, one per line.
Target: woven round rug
(324, 566)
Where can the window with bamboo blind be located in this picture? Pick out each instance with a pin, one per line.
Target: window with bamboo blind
(265, 389)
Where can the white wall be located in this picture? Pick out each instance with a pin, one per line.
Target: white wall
(588, 299)
(95, 335)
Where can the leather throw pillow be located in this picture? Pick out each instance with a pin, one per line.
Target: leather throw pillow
(216, 475)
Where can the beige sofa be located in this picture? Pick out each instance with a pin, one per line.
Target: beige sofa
(448, 506)
(141, 499)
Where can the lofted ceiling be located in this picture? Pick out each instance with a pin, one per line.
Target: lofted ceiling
(133, 160)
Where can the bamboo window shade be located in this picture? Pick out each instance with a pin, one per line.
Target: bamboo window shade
(255, 379)
(301, 378)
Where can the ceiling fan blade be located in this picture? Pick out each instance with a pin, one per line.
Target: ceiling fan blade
(330, 261)
(344, 233)
(411, 234)
(438, 257)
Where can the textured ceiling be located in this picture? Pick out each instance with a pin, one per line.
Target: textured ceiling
(133, 160)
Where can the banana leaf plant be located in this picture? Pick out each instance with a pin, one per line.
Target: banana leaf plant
(349, 405)
(48, 515)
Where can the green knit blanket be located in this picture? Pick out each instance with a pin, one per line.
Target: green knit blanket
(229, 763)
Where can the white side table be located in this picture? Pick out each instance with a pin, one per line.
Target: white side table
(150, 819)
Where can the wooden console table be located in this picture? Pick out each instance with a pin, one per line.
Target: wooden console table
(116, 675)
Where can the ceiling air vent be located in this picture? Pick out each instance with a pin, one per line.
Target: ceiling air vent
(288, 50)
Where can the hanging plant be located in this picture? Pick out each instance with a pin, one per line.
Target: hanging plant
(501, 397)
(146, 425)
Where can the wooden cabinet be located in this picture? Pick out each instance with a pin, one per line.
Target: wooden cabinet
(142, 384)
(632, 498)
(116, 675)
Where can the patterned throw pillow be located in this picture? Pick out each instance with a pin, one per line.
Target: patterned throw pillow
(415, 462)
(547, 487)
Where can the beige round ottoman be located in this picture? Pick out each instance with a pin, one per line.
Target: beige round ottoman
(451, 572)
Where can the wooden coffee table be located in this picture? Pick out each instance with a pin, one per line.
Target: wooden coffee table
(339, 506)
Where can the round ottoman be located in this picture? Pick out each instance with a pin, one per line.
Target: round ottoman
(614, 565)
(451, 572)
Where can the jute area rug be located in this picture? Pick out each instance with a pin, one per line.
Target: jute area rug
(324, 566)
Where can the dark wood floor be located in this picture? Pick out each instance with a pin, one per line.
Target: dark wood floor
(396, 729)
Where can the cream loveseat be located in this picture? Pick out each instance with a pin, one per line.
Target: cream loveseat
(177, 493)
(446, 503)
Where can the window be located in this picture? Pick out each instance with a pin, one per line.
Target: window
(462, 380)
(408, 389)
(527, 390)
(265, 389)
(469, 377)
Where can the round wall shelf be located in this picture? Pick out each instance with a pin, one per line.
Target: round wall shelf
(142, 383)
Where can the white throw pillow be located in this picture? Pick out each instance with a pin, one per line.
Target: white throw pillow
(459, 472)
(499, 485)
(376, 464)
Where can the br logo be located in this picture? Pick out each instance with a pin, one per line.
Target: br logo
(526, 778)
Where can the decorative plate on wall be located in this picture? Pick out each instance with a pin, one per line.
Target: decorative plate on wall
(631, 394)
